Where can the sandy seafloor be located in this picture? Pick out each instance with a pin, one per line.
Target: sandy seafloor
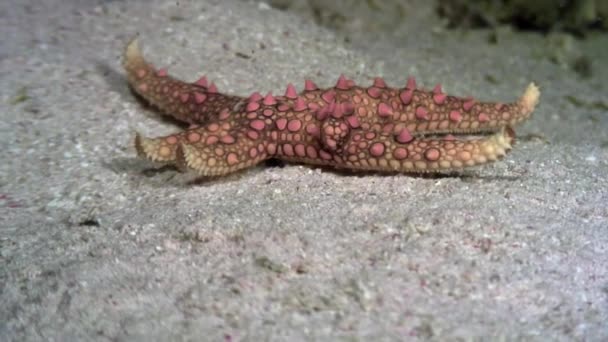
(96, 244)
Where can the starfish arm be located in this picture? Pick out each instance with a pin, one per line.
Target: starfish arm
(162, 150)
(381, 108)
(234, 151)
(210, 150)
(193, 103)
(383, 152)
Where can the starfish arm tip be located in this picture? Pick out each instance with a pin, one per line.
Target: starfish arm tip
(504, 140)
(530, 98)
(132, 50)
(139, 143)
(154, 149)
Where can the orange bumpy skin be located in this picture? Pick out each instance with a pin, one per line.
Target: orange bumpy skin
(346, 126)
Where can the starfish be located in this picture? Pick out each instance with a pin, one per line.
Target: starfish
(378, 128)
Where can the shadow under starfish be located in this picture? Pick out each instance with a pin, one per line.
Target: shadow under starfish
(375, 128)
